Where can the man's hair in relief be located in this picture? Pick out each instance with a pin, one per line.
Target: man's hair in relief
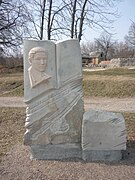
(35, 50)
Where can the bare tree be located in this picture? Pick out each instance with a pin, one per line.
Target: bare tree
(88, 47)
(55, 12)
(123, 50)
(82, 18)
(11, 23)
(54, 19)
(130, 38)
(106, 45)
(89, 13)
(73, 17)
(74, 4)
(35, 14)
(43, 18)
(50, 19)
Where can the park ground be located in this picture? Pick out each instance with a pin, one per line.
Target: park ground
(112, 90)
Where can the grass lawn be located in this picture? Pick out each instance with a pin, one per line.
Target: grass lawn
(109, 83)
(113, 72)
(11, 84)
(12, 121)
(118, 82)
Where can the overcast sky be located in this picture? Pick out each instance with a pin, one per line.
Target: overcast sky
(127, 13)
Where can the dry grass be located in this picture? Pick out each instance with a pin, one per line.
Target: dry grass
(109, 88)
(113, 72)
(117, 82)
(109, 83)
(11, 84)
(11, 128)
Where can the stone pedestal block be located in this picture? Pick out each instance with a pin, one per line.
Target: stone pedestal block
(56, 151)
(103, 135)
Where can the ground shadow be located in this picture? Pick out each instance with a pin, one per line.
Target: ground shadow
(128, 157)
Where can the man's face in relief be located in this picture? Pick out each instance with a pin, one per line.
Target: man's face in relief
(39, 61)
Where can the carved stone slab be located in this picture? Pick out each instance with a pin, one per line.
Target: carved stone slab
(69, 64)
(53, 95)
(35, 60)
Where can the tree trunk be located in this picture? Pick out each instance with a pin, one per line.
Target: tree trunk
(73, 19)
(82, 21)
(49, 21)
(42, 20)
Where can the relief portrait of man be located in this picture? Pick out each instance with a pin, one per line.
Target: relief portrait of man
(38, 62)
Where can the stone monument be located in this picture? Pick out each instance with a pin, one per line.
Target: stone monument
(53, 95)
(56, 125)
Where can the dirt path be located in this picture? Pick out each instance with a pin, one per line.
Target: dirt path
(109, 104)
(12, 102)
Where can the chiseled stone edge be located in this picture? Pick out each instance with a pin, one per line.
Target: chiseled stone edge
(72, 151)
(56, 152)
(102, 155)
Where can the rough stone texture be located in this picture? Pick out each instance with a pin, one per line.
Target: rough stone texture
(56, 152)
(120, 62)
(53, 95)
(55, 120)
(103, 135)
(101, 155)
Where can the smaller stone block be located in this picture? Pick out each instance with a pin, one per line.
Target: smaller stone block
(103, 135)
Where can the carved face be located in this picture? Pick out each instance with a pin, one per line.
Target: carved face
(39, 61)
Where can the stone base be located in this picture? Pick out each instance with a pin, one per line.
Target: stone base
(102, 155)
(103, 139)
(56, 152)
